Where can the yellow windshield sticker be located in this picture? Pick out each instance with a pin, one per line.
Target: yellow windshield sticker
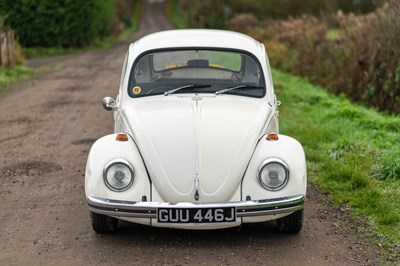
(136, 90)
(216, 66)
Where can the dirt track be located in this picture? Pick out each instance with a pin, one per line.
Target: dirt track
(47, 127)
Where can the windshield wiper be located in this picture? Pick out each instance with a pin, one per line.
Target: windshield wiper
(240, 87)
(191, 86)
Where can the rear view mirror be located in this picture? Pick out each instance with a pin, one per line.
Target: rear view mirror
(109, 104)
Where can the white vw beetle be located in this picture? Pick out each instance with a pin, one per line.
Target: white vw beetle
(196, 142)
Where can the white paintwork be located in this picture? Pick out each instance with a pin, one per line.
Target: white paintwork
(216, 138)
(103, 151)
(170, 129)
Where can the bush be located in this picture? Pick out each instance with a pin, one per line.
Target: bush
(48, 23)
(359, 57)
(352, 54)
(215, 13)
(374, 69)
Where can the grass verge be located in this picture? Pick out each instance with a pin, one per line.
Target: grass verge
(100, 44)
(352, 153)
(15, 73)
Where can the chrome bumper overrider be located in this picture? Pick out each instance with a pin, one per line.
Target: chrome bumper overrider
(134, 209)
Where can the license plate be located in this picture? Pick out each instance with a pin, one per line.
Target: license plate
(196, 215)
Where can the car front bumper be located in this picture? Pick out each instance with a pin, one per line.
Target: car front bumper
(132, 209)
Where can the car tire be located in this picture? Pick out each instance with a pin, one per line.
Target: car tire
(292, 223)
(102, 223)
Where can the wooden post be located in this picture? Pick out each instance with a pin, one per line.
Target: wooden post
(4, 52)
(7, 57)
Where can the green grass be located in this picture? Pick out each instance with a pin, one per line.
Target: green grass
(176, 15)
(353, 153)
(99, 44)
(15, 73)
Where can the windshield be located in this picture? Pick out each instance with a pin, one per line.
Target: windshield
(164, 71)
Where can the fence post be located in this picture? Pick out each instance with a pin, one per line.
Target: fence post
(3, 51)
(7, 57)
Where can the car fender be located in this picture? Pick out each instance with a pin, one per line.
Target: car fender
(101, 153)
(287, 149)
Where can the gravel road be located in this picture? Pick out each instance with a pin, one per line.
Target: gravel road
(47, 127)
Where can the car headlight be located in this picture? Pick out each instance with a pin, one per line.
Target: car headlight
(118, 175)
(273, 174)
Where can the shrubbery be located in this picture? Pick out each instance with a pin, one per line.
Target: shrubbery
(214, 13)
(357, 55)
(49, 23)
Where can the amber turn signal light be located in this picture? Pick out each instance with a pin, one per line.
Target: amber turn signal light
(272, 136)
(122, 137)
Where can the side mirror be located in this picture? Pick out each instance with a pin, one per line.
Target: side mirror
(109, 104)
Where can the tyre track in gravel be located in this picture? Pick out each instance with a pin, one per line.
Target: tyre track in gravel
(47, 127)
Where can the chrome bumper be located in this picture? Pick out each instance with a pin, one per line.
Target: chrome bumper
(119, 208)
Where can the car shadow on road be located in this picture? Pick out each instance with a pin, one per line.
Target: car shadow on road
(244, 235)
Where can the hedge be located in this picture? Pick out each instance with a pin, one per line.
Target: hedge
(65, 23)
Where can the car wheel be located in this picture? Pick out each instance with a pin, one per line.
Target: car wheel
(102, 223)
(291, 223)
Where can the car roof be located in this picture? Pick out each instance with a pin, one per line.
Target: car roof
(198, 38)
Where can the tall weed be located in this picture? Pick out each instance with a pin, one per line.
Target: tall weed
(374, 69)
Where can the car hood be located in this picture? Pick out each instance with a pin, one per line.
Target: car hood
(184, 138)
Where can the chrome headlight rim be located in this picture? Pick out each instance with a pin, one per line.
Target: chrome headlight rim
(269, 161)
(118, 161)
